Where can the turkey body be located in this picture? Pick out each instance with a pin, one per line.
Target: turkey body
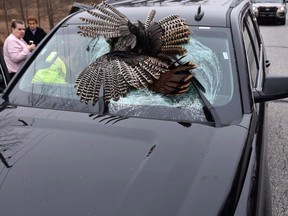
(142, 55)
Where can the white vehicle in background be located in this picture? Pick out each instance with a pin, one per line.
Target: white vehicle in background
(274, 10)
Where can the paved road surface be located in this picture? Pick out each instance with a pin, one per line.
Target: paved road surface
(276, 41)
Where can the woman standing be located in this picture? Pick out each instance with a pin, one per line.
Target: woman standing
(15, 49)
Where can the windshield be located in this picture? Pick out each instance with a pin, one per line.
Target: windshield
(68, 53)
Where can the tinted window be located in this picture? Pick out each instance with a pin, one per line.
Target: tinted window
(252, 46)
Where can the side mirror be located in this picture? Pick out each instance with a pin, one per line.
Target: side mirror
(274, 87)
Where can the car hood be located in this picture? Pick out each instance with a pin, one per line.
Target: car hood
(64, 163)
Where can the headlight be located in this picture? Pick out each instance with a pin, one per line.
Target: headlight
(255, 9)
(281, 9)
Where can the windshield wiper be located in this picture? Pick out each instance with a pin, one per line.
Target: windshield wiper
(103, 107)
(4, 161)
(209, 110)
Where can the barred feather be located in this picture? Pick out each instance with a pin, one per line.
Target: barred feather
(103, 17)
(113, 15)
(178, 32)
(103, 24)
(128, 74)
(94, 32)
(180, 38)
(143, 77)
(173, 50)
(168, 18)
(154, 67)
(177, 41)
(99, 31)
(88, 83)
(150, 18)
(174, 19)
(175, 29)
(156, 64)
(114, 10)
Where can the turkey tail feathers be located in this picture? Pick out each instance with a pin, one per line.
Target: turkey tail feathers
(141, 56)
(109, 22)
(176, 33)
(116, 75)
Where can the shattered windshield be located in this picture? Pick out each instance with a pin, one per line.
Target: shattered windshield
(49, 81)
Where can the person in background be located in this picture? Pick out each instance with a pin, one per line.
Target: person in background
(15, 49)
(33, 33)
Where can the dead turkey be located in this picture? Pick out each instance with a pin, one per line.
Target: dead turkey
(142, 55)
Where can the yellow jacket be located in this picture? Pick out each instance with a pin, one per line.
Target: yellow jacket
(56, 73)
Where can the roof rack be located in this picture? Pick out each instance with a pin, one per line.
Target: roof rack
(139, 1)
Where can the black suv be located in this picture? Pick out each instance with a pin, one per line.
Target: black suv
(201, 153)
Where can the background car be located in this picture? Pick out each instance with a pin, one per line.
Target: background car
(274, 10)
(202, 153)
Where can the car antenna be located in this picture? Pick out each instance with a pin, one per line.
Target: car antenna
(198, 17)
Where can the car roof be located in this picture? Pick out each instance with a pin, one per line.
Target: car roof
(215, 12)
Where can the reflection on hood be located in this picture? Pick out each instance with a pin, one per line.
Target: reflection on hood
(10, 138)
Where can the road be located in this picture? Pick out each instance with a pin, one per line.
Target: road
(276, 43)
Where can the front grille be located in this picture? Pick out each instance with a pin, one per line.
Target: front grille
(267, 12)
(268, 9)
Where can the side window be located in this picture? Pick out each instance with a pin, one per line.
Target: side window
(252, 46)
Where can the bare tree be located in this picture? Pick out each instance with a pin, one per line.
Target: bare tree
(22, 10)
(26, 9)
(50, 13)
(6, 16)
(38, 11)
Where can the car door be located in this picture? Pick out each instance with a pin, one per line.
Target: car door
(4, 76)
(257, 69)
